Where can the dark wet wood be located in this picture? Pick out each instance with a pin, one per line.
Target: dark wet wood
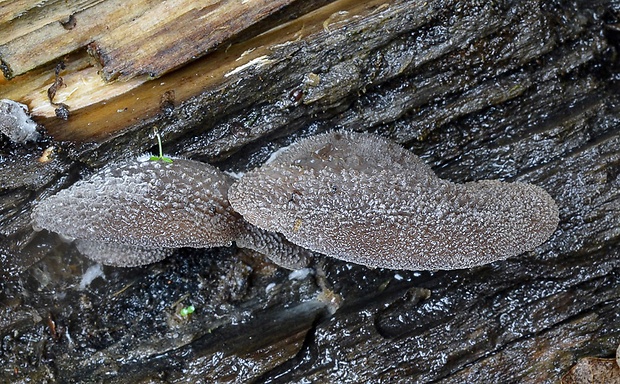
(517, 91)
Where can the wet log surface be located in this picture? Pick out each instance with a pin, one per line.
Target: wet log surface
(515, 91)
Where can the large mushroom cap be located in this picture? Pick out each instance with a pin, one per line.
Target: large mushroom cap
(150, 204)
(362, 199)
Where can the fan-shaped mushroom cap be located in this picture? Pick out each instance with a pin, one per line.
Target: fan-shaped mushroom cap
(135, 212)
(362, 199)
(150, 204)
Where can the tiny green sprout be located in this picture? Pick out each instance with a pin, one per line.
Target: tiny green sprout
(187, 311)
(161, 156)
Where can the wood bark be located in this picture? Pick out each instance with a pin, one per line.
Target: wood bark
(507, 90)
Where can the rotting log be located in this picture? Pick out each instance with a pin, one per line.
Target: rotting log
(99, 109)
(191, 32)
(517, 91)
(128, 39)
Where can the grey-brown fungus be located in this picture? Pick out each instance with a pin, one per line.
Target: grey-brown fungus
(273, 245)
(360, 198)
(137, 208)
(120, 255)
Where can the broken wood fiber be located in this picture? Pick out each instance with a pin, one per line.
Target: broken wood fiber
(128, 39)
(25, 48)
(99, 109)
(188, 31)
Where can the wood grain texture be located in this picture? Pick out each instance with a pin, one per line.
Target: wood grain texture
(100, 109)
(55, 35)
(127, 39)
(176, 34)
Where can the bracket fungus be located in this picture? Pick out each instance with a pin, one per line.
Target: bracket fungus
(134, 213)
(362, 199)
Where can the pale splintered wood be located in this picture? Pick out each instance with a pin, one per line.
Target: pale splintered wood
(98, 108)
(57, 35)
(19, 18)
(172, 33)
(128, 38)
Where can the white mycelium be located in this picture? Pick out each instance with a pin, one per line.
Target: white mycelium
(15, 122)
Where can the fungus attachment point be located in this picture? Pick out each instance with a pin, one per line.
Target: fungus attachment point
(136, 212)
(360, 198)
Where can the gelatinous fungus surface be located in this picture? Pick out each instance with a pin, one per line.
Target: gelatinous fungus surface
(121, 255)
(150, 204)
(134, 213)
(15, 122)
(362, 199)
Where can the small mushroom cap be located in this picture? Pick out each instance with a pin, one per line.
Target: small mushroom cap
(149, 204)
(342, 151)
(362, 199)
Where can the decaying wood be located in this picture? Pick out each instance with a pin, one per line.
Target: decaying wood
(593, 370)
(511, 90)
(53, 35)
(128, 39)
(99, 109)
(188, 30)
